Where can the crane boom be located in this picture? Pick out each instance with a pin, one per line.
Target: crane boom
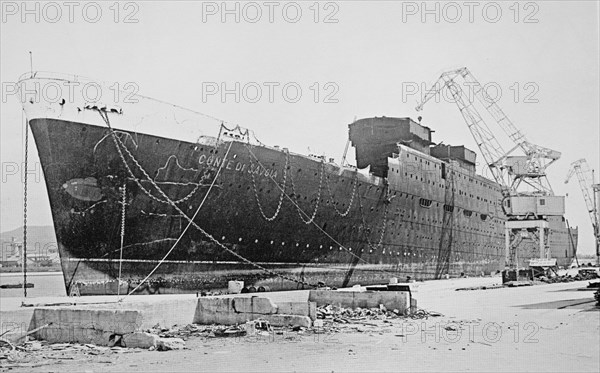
(509, 171)
(490, 148)
(449, 77)
(524, 217)
(585, 176)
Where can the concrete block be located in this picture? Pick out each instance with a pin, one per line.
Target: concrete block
(235, 287)
(216, 311)
(140, 340)
(289, 320)
(298, 308)
(225, 311)
(167, 313)
(312, 310)
(71, 333)
(366, 299)
(166, 344)
(165, 310)
(413, 305)
(15, 324)
(117, 321)
(256, 305)
(84, 325)
(229, 311)
(293, 308)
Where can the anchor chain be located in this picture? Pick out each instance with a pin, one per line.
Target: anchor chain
(285, 174)
(353, 194)
(314, 214)
(383, 229)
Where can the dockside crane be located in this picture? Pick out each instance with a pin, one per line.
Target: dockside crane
(508, 170)
(585, 176)
(528, 196)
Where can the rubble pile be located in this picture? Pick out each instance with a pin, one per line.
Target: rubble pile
(249, 328)
(581, 276)
(348, 315)
(33, 354)
(202, 331)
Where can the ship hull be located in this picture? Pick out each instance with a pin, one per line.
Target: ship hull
(159, 206)
(84, 174)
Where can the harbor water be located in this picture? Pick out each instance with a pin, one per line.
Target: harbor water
(45, 284)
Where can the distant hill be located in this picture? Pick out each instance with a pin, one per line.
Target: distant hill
(37, 236)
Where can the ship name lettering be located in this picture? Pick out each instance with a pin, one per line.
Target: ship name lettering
(213, 161)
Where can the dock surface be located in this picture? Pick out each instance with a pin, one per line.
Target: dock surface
(545, 327)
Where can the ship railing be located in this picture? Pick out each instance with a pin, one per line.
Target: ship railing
(57, 76)
(51, 75)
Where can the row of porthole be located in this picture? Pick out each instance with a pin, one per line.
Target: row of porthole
(349, 248)
(370, 251)
(272, 242)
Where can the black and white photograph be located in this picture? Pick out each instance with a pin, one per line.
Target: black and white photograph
(300, 186)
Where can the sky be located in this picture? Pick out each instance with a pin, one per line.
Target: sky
(317, 66)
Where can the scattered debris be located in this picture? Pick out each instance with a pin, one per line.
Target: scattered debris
(594, 285)
(12, 347)
(512, 284)
(166, 344)
(488, 287)
(34, 353)
(582, 275)
(330, 319)
(358, 315)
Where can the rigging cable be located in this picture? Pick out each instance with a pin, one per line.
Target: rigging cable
(123, 202)
(24, 256)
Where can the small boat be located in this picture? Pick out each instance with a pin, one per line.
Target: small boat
(15, 286)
